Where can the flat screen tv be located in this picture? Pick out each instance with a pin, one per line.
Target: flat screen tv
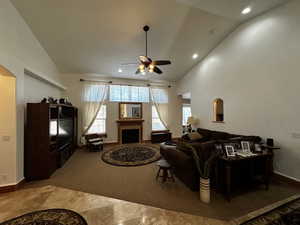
(65, 132)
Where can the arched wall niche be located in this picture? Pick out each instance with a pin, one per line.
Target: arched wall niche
(218, 110)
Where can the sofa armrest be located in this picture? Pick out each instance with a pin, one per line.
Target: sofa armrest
(177, 158)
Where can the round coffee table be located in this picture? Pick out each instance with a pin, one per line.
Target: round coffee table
(166, 170)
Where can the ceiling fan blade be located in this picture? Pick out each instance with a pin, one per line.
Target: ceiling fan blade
(138, 71)
(129, 64)
(145, 59)
(157, 70)
(162, 62)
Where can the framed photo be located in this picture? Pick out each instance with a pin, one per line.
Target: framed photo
(229, 151)
(258, 148)
(245, 146)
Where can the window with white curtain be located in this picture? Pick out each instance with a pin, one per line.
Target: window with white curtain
(94, 93)
(156, 122)
(99, 125)
(160, 95)
(186, 113)
(124, 93)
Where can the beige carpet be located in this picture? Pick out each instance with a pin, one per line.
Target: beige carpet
(85, 171)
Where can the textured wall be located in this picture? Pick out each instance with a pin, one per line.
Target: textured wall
(256, 72)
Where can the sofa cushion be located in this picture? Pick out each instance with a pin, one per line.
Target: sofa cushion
(205, 133)
(218, 135)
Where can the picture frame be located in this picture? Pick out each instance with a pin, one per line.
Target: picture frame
(229, 151)
(245, 146)
(258, 148)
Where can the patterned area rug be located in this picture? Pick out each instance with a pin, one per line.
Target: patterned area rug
(48, 217)
(131, 155)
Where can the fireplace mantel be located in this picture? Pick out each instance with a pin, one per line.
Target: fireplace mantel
(130, 121)
(130, 124)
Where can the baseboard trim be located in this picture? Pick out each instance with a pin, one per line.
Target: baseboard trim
(286, 179)
(12, 187)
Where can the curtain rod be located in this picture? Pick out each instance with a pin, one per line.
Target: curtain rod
(111, 82)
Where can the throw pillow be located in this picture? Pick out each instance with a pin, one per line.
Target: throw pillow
(194, 136)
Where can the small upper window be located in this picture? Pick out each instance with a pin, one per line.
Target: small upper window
(186, 113)
(218, 109)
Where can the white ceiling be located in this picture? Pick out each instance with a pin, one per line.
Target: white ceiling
(96, 36)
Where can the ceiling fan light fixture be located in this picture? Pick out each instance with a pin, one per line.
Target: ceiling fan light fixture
(151, 70)
(141, 67)
(246, 10)
(151, 66)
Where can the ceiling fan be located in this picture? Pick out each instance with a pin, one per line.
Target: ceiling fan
(146, 63)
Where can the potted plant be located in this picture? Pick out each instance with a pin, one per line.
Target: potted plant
(204, 166)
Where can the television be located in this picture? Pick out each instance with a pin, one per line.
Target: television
(65, 132)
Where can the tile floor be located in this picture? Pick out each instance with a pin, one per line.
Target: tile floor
(97, 210)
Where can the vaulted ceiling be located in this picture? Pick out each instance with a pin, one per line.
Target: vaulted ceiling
(96, 36)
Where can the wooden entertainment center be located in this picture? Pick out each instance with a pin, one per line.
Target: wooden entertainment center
(50, 138)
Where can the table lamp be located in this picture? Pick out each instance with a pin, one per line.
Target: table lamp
(192, 121)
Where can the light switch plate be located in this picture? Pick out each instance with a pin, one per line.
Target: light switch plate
(5, 138)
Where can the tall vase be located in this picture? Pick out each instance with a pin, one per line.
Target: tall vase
(204, 190)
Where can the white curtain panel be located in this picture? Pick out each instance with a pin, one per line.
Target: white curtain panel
(93, 97)
(160, 99)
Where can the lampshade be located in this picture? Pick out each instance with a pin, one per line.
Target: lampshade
(192, 120)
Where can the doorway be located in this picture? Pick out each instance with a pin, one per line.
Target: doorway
(8, 127)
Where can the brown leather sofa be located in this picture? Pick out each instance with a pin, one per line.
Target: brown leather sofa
(183, 163)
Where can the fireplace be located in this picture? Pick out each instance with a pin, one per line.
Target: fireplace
(130, 131)
(130, 136)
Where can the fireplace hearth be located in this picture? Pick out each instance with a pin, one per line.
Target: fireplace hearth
(130, 136)
(130, 131)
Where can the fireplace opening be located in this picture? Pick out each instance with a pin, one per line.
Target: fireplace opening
(130, 136)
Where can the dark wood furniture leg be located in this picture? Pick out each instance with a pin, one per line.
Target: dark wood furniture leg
(165, 175)
(228, 182)
(171, 175)
(268, 168)
(158, 173)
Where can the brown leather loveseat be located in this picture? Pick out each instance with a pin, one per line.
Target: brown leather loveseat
(183, 163)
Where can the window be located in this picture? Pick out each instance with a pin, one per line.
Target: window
(160, 95)
(156, 122)
(99, 125)
(123, 93)
(186, 113)
(94, 92)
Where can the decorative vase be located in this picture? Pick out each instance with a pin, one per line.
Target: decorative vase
(204, 190)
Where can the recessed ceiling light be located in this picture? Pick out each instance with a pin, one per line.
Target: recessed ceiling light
(120, 70)
(246, 10)
(195, 56)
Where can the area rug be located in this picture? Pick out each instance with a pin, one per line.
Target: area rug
(131, 155)
(48, 217)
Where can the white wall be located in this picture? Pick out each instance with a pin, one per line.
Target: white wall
(35, 90)
(19, 49)
(256, 72)
(73, 85)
